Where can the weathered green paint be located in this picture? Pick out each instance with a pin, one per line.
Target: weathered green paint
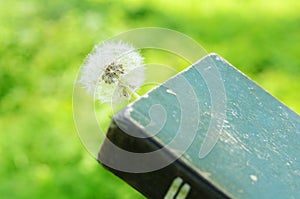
(258, 152)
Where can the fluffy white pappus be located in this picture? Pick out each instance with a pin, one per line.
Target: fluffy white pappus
(112, 71)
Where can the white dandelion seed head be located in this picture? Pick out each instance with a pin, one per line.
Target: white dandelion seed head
(112, 71)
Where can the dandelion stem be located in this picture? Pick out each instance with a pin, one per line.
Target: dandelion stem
(131, 92)
(137, 96)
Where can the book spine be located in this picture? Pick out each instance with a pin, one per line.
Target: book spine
(177, 180)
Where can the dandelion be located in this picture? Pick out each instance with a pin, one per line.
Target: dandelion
(113, 71)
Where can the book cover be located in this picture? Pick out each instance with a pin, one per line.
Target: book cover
(208, 132)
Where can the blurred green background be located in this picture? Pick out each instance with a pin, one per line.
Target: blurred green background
(43, 44)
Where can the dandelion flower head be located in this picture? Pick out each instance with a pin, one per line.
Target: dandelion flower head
(113, 71)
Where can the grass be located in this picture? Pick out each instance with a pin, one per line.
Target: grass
(43, 44)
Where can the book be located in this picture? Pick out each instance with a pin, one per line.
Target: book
(208, 132)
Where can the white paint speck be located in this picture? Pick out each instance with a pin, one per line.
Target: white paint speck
(253, 178)
(234, 113)
(218, 58)
(170, 92)
(206, 174)
(297, 172)
(130, 109)
(145, 96)
(207, 68)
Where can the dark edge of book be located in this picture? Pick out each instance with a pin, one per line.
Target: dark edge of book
(153, 184)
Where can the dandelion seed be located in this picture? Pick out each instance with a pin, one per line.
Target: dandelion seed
(113, 71)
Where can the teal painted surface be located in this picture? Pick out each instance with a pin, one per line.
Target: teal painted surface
(257, 154)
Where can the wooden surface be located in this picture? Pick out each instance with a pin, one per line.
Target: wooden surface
(257, 154)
